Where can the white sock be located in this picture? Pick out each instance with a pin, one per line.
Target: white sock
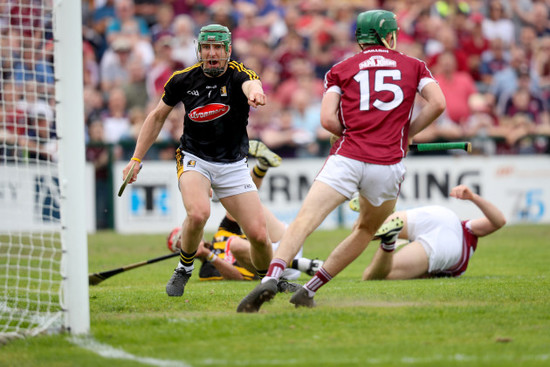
(188, 269)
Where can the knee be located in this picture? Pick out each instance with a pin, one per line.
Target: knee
(239, 246)
(198, 217)
(258, 236)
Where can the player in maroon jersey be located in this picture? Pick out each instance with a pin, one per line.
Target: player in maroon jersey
(368, 103)
(217, 93)
(440, 243)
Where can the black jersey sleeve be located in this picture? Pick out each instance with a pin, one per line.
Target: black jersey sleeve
(242, 73)
(173, 88)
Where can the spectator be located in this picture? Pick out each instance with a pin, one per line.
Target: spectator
(149, 9)
(115, 119)
(40, 137)
(183, 47)
(305, 118)
(290, 48)
(162, 68)
(96, 33)
(97, 152)
(474, 44)
(282, 137)
(93, 104)
(112, 65)
(249, 27)
(126, 17)
(527, 40)
(30, 64)
(301, 76)
(135, 88)
(90, 67)
(493, 60)
(498, 24)
(541, 66)
(482, 126)
(163, 25)
(505, 82)
(457, 87)
(447, 37)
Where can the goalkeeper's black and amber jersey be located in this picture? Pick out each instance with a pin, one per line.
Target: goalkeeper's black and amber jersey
(216, 111)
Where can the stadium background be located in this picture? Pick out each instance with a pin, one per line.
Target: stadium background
(492, 59)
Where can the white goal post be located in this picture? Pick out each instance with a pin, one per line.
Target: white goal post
(43, 239)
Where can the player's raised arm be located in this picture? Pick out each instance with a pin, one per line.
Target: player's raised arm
(255, 93)
(493, 220)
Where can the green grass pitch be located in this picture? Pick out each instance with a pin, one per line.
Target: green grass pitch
(497, 314)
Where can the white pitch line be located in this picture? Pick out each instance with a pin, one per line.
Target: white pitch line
(107, 351)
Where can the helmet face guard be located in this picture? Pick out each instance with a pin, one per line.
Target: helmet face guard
(214, 34)
(374, 25)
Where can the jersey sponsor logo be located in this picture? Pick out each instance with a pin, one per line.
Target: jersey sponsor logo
(377, 61)
(209, 112)
(193, 92)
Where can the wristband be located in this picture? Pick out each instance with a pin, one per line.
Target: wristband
(210, 258)
(136, 159)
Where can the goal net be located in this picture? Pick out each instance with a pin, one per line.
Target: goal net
(43, 261)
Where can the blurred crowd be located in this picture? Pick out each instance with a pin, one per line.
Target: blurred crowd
(491, 58)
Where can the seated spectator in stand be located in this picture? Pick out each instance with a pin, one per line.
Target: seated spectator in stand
(282, 137)
(474, 44)
(457, 87)
(183, 47)
(302, 76)
(30, 65)
(289, 49)
(482, 126)
(115, 118)
(124, 15)
(305, 110)
(163, 25)
(135, 88)
(162, 68)
(498, 24)
(447, 37)
(148, 10)
(493, 60)
(529, 114)
(538, 18)
(541, 66)
(93, 104)
(41, 138)
(97, 152)
(505, 81)
(528, 41)
(112, 66)
(249, 27)
(90, 65)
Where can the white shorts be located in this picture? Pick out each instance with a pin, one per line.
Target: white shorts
(377, 183)
(439, 231)
(227, 179)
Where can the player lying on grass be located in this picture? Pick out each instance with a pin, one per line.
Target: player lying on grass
(228, 255)
(440, 244)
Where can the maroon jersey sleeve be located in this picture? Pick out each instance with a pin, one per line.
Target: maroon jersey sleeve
(377, 88)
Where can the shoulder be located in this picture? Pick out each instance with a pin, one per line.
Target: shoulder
(240, 69)
(181, 75)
